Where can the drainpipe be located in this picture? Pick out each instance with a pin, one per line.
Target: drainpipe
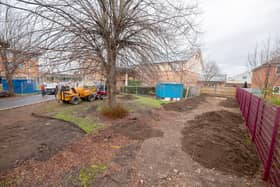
(126, 79)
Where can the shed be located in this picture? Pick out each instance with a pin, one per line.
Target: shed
(170, 90)
(21, 86)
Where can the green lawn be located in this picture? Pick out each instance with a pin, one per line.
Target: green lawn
(274, 100)
(77, 114)
(150, 101)
(85, 118)
(88, 125)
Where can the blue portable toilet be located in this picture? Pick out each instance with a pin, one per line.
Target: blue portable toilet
(169, 90)
(21, 86)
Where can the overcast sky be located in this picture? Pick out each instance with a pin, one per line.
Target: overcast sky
(233, 27)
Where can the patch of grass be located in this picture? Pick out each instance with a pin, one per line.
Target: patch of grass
(84, 123)
(68, 112)
(274, 100)
(247, 140)
(88, 174)
(150, 102)
(114, 113)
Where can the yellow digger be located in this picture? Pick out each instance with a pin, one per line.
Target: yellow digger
(75, 95)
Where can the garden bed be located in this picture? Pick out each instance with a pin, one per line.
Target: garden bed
(218, 140)
(23, 136)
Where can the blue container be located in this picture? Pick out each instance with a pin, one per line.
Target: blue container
(21, 86)
(169, 90)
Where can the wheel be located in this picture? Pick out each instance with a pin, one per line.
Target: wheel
(101, 97)
(91, 97)
(75, 100)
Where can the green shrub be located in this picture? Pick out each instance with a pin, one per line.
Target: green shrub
(141, 90)
(115, 112)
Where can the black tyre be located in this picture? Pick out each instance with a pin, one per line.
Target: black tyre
(91, 97)
(75, 100)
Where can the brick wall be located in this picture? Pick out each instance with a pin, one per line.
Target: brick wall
(27, 70)
(259, 75)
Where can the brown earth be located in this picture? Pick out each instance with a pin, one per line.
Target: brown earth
(229, 103)
(143, 149)
(219, 140)
(24, 137)
(184, 105)
(91, 149)
(137, 128)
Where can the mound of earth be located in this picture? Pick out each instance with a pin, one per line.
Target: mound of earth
(218, 140)
(229, 103)
(136, 128)
(184, 105)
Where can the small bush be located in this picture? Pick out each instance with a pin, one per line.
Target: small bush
(115, 112)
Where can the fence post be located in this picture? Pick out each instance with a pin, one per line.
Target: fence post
(256, 120)
(272, 145)
(248, 112)
(244, 103)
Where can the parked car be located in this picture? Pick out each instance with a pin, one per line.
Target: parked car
(50, 88)
(4, 93)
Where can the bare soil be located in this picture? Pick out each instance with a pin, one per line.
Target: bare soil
(143, 149)
(229, 102)
(184, 105)
(219, 140)
(29, 137)
(62, 169)
(136, 128)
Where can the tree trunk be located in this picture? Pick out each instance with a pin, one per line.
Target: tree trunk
(266, 81)
(112, 79)
(112, 89)
(10, 84)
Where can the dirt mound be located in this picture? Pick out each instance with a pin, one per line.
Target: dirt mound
(127, 97)
(219, 140)
(185, 105)
(229, 103)
(136, 128)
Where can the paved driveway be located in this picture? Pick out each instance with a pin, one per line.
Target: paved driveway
(14, 102)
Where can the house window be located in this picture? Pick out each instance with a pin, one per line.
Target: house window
(20, 66)
(175, 66)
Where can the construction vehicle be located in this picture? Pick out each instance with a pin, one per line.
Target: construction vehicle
(74, 96)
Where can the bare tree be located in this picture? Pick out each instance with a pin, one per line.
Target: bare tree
(265, 57)
(210, 70)
(16, 43)
(116, 32)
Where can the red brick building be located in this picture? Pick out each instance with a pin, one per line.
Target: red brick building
(268, 71)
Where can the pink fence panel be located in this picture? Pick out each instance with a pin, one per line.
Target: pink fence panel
(262, 120)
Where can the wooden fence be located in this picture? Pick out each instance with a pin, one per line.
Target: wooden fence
(223, 91)
(262, 120)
